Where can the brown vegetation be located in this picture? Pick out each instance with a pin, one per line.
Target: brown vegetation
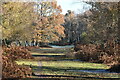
(107, 53)
(15, 53)
(87, 52)
(10, 68)
(29, 48)
(115, 68)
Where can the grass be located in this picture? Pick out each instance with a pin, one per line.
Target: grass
(64, 64)
(35, 53)
(63, 67)
(73, 64)
(27, 62)
(50, 50)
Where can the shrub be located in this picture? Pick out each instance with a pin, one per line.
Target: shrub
(15, 53)
(12, 70)
(87, 56)
(115, 68)
(109, 59)
(107, 53)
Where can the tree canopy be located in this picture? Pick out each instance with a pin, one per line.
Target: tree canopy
(24, 21)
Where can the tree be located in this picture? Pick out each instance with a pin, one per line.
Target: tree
(17, 20)
(105, 21)
(96, 25)
(75, 25)
(49, 22)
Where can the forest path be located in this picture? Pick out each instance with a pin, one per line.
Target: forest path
(53, 63)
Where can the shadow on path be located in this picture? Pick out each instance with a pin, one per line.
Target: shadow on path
(66, 74)
(73, 77)
(63, 73)
(48, 55)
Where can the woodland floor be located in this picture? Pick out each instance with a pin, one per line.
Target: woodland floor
(52, 64)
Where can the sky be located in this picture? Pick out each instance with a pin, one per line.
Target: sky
(73, 5)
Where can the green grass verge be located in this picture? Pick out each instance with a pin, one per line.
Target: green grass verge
(64, 64)
(73, 64)
(61, 67)
(27, 62)
(64, 67)
(35, 53)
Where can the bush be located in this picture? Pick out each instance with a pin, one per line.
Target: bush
(15, 53)
(87, 56)
(29, 48)
(112, 55)
(11, 70)
(115, 68)
(107, 53)
(109, 59)
(87, 52)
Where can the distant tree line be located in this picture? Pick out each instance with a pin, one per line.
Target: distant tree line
(42, 22)
(31, 23)
(97, 25)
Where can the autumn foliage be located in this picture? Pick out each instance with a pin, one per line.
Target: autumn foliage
(107, 53)
(15, 53)
(48, 28)
(10, 68)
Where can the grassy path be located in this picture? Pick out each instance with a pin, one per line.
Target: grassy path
(53, 63)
